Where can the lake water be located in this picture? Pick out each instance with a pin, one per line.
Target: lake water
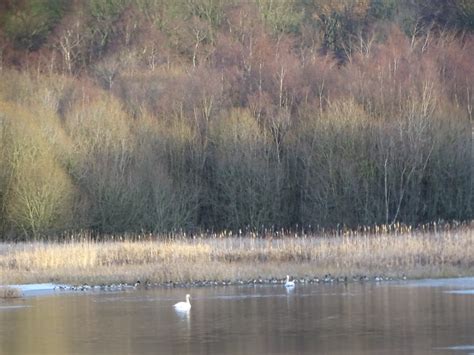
(422, 317)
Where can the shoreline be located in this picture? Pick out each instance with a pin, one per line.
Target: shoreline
(28, 290)
(239, 274)
(222, 260)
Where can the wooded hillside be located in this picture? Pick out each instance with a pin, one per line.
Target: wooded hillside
(156, 115)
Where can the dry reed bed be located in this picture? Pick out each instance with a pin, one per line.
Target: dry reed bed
(9, 292)
(415, 254)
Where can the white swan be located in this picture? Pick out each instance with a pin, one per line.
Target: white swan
(289, 283)
(183, 306)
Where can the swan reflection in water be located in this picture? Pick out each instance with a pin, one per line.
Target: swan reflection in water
(182, 310)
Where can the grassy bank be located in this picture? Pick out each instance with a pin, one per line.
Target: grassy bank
(415, 254)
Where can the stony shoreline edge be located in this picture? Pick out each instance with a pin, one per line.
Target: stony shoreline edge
(138, 285)
(327, 279)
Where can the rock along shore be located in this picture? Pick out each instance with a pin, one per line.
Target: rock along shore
(326, 279)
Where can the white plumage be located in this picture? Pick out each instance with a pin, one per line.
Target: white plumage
(183, 306)
(289, 283)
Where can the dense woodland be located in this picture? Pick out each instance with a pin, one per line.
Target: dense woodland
(159, 115)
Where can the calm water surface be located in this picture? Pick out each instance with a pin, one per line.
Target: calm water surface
(423, 317)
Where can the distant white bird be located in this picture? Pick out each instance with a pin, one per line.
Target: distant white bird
(289, 283)
(183, 306)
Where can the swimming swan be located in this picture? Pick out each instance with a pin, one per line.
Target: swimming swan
(183, 306)
(289, 283)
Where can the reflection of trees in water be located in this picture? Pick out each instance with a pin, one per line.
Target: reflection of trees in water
(323, 318)
(39, 328)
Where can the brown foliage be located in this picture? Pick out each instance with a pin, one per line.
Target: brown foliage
(203, 114)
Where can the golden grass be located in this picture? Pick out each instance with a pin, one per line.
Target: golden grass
(222, 257)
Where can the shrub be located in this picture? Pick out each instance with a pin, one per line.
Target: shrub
(9, 292)
(38, 190)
